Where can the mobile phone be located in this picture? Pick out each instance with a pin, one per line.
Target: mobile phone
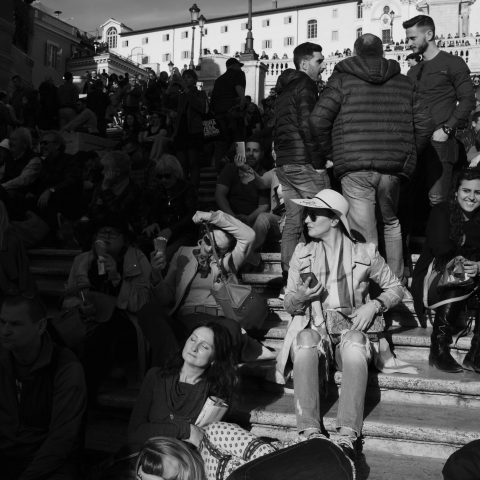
(240, 148)
(311, 275)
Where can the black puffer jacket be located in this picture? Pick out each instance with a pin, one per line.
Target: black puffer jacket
(366, 119)
(297, 94)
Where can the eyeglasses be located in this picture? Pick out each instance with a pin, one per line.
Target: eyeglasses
(167, 176)
(206, 241)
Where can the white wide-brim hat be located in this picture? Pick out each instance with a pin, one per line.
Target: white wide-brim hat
(330, 200)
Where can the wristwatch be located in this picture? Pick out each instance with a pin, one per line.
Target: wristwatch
(448, 130)
(380, 306)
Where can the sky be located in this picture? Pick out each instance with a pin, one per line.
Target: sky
(87, 15)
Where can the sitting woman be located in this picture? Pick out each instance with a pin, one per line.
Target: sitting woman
(453, 231)
(172, 397)
(169, 208)
(110, 279)
(186, 288)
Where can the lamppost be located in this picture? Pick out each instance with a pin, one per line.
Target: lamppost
(194, 11)
(201, 23)
(392, 16)
(249, 51)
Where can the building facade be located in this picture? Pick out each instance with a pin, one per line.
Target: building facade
(333, 24)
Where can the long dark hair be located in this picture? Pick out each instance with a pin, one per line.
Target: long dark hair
(221, 375)
(457, 217)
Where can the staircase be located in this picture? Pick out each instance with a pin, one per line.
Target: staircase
(412, 422)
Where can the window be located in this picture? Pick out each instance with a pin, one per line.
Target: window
(184, 34)
(266, 44)
(144, 40)
(386, 36)
(186, 54)
(225, 49)
(359, 9)
(266, 23)
(312, 29)
(205, 31)
(288, 41)
(359, 32)
(287, 20)
(52, 51)
(166, 37)
(112, 37)
(244, 26)
(334, 35)
(125, 43)
(335, 13)
(166, 57)
(224, 29)
(145, 60)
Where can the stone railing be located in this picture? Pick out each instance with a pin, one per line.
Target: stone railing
(469, 53)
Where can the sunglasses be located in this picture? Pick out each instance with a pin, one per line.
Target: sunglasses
(312, 214)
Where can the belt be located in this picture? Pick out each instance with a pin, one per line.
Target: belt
(189, 310)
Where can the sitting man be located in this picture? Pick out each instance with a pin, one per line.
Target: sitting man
(43, 397)
(328, 297)
(85, 121)
(58, 187)
(238, 195)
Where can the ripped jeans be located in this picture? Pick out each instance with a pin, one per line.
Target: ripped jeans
(352, 356)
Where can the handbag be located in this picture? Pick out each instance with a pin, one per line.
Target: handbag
(238, 302)
(454, 275)
(450, 280)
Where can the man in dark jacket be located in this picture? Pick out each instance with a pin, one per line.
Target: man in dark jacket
(300, 169)
(43, 397)
(443, 86)
(364, 121)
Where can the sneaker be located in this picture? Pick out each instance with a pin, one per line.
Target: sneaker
(347, 445)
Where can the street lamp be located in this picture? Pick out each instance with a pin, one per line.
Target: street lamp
(249, 52)
(201, 23)
(392, 16)
(194, 11)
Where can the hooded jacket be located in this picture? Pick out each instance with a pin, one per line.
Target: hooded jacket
(366, 118)
(297, 94)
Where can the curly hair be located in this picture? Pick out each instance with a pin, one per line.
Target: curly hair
(150, 458)
(457, 217)
(221, 375)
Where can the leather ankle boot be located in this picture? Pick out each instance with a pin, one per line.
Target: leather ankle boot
(440, 356)
(472, 358)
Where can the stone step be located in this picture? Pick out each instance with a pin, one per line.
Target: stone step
(106, 433)
(429, 387)
(412, 429)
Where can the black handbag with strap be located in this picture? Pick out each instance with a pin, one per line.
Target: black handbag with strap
(238, 302)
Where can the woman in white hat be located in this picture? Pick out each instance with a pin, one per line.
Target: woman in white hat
(328, 297)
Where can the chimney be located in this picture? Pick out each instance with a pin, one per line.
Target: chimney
(274, 4)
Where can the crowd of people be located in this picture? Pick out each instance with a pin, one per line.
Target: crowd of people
(328, 173)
